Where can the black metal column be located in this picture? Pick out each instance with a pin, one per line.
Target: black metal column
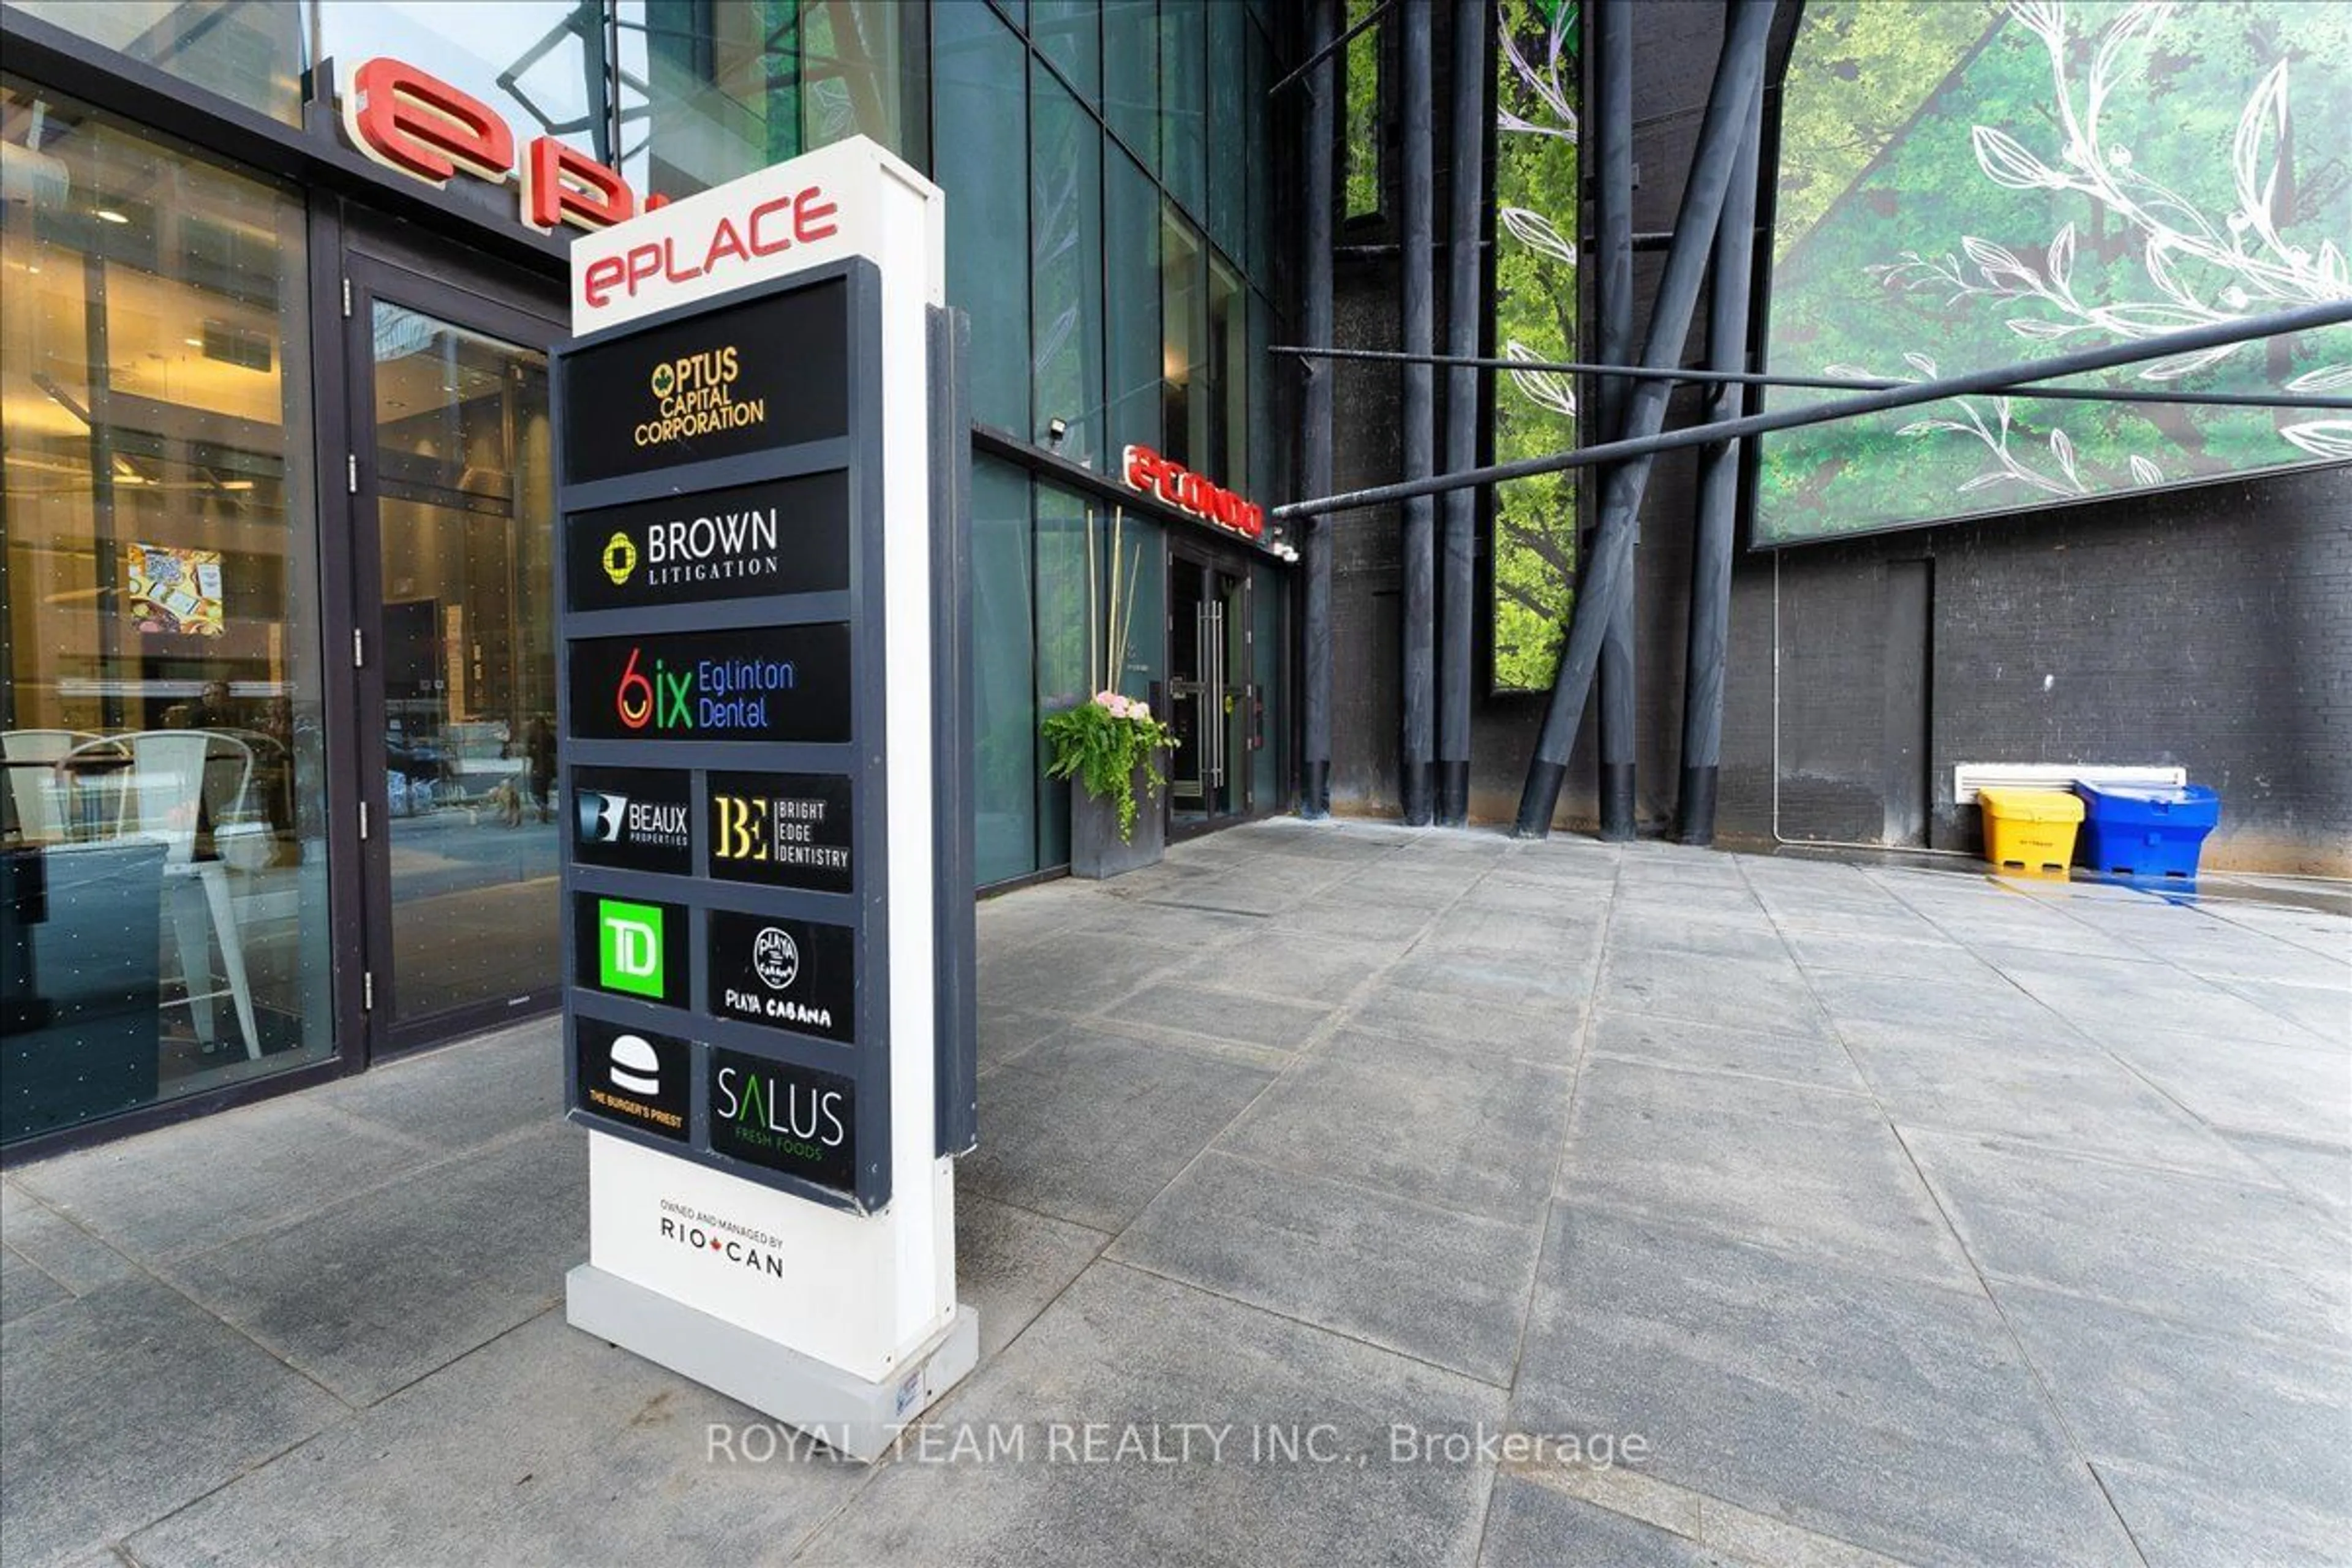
(1606, 575)
(1612, 80)
(1314, 661)
(1718, 497)
(1418, 634)
(1463, 299)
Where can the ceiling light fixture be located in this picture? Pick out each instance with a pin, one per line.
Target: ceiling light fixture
(108, 215)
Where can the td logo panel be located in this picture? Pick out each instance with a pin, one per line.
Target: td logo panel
(631, 947)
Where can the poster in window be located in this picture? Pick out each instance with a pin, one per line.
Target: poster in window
(171, 591)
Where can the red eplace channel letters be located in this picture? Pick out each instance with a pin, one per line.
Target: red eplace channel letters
(411, 121)
(1180, 487)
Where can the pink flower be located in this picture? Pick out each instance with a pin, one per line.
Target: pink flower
(1138, 711)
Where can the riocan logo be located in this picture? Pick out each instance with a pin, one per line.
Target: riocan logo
(775, 959)
(1180, 487)
(713, 1238)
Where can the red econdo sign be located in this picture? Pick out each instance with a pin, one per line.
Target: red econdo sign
(1183, 488)
(411, 121)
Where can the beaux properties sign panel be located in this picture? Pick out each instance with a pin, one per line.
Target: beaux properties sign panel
(764, 721)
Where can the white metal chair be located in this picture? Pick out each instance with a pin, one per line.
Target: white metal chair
(177, 780)
(40, 793)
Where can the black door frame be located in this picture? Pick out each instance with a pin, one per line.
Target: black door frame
(357, 258)
(1205, 555)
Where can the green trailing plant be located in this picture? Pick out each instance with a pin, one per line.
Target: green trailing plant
(1105, 742)
(1108, 739)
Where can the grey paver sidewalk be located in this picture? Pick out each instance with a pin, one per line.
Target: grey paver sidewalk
(1849, 1214)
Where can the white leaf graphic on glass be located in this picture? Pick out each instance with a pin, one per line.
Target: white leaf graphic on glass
(2200, 268)
(2007, 162)
(2326, 378)
(1545, 387)
(2322, 438)
(1535, 232)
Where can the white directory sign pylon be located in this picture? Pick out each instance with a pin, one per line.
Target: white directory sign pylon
(762, 470)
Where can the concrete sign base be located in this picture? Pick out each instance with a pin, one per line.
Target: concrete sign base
(848, 1413)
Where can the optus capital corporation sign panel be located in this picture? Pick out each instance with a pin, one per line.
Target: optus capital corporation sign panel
(769, 372)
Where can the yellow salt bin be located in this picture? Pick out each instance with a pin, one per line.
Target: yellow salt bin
(2031, 830)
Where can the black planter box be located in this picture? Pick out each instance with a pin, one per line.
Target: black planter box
(1096, 848)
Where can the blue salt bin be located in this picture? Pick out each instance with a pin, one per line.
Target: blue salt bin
(2132, 830)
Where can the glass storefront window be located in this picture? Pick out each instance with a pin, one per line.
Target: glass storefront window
(1131, 313)
(1004, 706)
(712, 89)
(466, 528)
(1069, 34)
(1131, 47)
(1225, 451)
(1228, 179)
(163, 868)
(253, 51)
(1181, 327)
(980, 137)
(1065, 674)
(1183, 104)
(1065, 271)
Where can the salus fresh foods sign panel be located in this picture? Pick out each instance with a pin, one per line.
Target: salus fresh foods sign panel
(761, 471)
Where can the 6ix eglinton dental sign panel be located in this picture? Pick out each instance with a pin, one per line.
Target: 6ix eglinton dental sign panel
(758, 572)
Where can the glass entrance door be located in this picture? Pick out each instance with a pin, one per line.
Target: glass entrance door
(454, 508)
(1211, 698)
